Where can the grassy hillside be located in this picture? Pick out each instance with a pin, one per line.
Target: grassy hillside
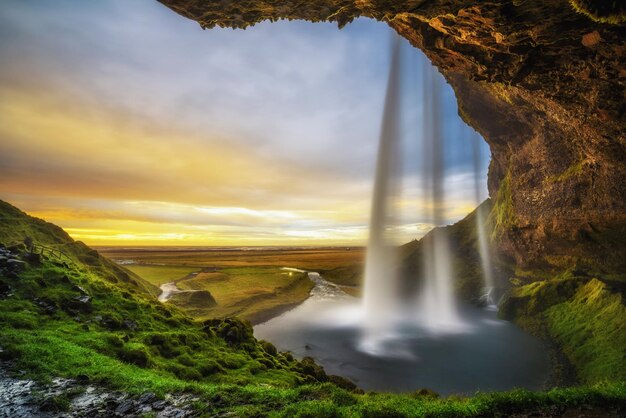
(585, 316)
(16, 226)
(252, 293)
(61, 319)
(463, 244)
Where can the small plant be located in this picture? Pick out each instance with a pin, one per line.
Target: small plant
(136, 354)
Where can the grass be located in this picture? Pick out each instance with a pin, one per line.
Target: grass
(602, 12)
(16, 225)
(252, 293)
(314, 259)
(159, 345)
(591, 327)
(585, 317)
(245, 283)
(575, 169)
(157, 275)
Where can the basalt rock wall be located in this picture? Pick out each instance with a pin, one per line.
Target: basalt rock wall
(542, 81)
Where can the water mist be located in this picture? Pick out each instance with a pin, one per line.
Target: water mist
(437, 304)
(380, 292)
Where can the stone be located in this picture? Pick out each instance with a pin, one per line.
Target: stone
(126, 407)
(146, 398)
(591, 39)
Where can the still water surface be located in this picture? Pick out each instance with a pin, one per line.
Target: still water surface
(488, 354)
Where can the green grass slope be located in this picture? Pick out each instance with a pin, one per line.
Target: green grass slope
(464, 251)
(61, 319)
(585, 316)
(15, 226)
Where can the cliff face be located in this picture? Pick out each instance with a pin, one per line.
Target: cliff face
(544, 85)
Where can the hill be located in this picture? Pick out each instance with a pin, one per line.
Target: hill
(84, 323)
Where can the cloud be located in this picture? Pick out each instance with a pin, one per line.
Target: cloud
(124, 122)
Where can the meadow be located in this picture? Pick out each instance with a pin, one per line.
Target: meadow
(247, 283)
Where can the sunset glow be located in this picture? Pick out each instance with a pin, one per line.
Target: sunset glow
(102, 134)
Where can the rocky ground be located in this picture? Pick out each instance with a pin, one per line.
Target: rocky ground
(21, 397)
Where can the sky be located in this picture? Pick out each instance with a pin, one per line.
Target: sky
(127, 124)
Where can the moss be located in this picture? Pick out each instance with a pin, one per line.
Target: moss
(591, 327)
(269, 348)
(585, 317)
(575, 169)
(501, 92)
(135, 353)
(502, 215)
(601, 11)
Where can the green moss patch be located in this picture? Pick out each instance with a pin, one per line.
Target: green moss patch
(502, 214)
(586, 318)
(591, 327)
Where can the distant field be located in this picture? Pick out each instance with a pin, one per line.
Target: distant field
(307, 259)
(245, 283)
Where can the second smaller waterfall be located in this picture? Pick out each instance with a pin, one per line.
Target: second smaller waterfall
(481, 217)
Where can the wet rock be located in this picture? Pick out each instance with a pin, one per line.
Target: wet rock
(146, 398)
(46, 305)
(78, 305)
(126, 407)
(21, 398)
(17, 248)
(159, 405)
(5, 289)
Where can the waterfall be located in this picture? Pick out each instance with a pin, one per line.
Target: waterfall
(384, 311)
(380, 291)
(437, 306)
(483, 243)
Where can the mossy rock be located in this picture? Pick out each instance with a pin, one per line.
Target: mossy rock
(135, 354)
(197, 299)
(269, 348)
(603, 11)
(234, 331)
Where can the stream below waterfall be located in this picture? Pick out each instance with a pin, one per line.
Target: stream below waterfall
(488, 354)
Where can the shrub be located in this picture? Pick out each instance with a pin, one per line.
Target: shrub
(186, 360)
(183, 372)
(269, 348)
(136, 354)
(208, 368)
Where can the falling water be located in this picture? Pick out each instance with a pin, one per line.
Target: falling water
(380, 292)
(438, 306)
(483, 244)
(379, 341)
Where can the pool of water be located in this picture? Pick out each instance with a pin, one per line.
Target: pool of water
(486, 354)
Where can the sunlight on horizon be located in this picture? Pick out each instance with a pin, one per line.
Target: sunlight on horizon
(260, 137)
